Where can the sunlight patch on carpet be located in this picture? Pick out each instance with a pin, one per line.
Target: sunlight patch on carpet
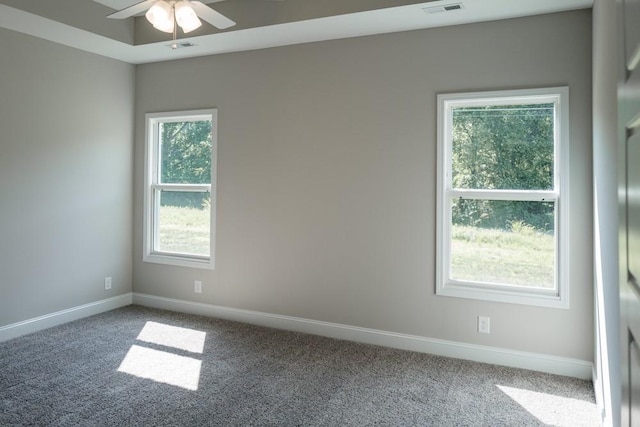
(163, 367)
(173, 336)
(548, 408)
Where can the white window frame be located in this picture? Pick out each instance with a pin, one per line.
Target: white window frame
(153, 187)
(445, 285)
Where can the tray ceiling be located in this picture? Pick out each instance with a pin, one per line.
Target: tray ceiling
(261, 23)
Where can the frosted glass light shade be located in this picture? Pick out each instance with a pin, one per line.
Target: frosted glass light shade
(186, 17)
(161, 16)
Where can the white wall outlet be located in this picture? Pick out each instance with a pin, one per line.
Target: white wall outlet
(484, 324)
(107, 283)
(197, 287)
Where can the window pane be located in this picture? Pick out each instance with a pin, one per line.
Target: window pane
(503, 242)
(503, 147)
(184, 223)
(185, 152)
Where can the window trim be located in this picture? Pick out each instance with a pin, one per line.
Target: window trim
(152, 186)
(445, 286)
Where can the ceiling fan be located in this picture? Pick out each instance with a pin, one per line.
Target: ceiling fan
(165, 14)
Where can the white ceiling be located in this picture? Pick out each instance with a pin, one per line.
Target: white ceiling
(394, 19)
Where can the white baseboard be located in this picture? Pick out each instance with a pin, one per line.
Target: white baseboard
(498, 356)
(53, 319)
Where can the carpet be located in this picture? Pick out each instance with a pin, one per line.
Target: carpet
(137, 366)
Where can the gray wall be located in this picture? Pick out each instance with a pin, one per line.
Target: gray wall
(326, 179)
(66, 129)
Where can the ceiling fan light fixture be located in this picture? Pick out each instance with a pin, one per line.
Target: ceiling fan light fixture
(161, 16)
(186, 17)
(167, 15)
(166, 26)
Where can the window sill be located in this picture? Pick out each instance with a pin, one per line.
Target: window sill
(179, 261)
(503, 295)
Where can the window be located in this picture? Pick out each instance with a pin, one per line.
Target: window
(180, 188)
(502, 196)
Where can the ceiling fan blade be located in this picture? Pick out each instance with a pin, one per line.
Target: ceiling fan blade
(213, 17)
(132, 10)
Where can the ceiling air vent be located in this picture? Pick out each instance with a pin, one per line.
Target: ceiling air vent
(180, 45)
(444, 8)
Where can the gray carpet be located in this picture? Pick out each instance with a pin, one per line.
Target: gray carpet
(116, 369)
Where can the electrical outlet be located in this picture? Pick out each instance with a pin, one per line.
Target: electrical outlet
(197, 287)
(107, 283)
(484, 325)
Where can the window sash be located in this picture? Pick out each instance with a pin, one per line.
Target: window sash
(155, 218)
(515, 195)
(497, 287)
(200, 188)
(156, 174)
(525, 97)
